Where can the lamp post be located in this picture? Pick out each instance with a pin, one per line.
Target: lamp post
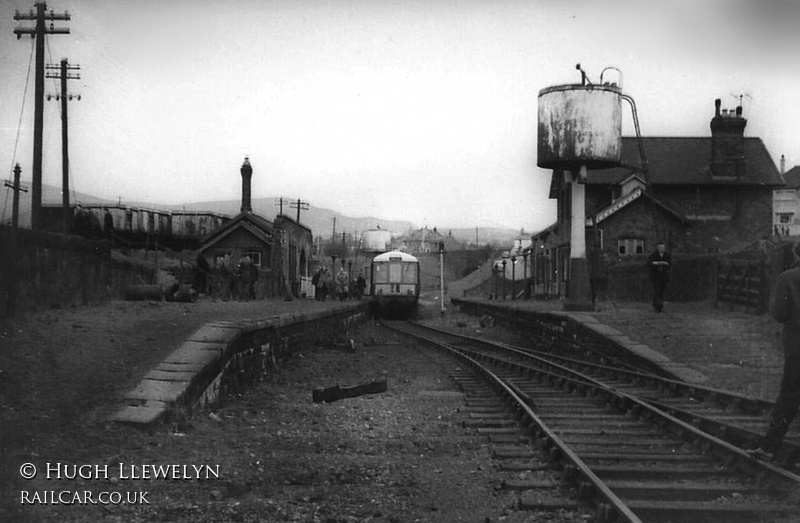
(513, 278)
(441, 276)
(505, 260)
(525, 273)
(494, 273)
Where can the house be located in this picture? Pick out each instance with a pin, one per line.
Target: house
(426, 240)
(699, 194)
(280, 250)
(786, 205)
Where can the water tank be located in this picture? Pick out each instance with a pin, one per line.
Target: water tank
(580, 125)
(376, 240)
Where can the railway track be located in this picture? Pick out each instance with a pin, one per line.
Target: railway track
(633, 461)
(737, 419)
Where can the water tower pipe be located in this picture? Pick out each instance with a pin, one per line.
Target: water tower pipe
(645, 166)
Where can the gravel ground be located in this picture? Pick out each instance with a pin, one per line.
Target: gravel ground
(397, 456)
(393, 457)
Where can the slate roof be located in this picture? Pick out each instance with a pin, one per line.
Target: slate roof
(792, 178)
(259, 227)
(685, 161)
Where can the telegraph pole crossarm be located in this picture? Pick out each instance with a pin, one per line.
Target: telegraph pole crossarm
(64, 75)
(280, 203)
(16, 187)
(38, 33)
(299, 205)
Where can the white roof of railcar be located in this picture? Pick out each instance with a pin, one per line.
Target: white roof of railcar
(387, 256)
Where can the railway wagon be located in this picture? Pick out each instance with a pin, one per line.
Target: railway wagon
(394, 282)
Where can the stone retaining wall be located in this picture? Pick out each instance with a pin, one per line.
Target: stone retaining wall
(42, 270)
(574, 333)
(222, 357)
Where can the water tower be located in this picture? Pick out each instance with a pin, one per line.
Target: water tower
(580, 129)
(376, 240)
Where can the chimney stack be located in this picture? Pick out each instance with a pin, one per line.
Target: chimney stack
(247, 175)
(727, 142)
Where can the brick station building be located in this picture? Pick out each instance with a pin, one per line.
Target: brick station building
(706, 195)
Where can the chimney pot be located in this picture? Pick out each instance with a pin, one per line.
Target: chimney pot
(727, 142)
(247, 175)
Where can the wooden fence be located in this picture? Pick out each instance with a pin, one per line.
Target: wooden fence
(745, 283)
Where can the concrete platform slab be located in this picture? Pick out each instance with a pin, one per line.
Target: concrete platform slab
(165, 375)
(155, 390)
(146, 414)
(217, 333)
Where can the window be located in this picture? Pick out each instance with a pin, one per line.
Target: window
(785, 217)
(255, 256)
(628, 246)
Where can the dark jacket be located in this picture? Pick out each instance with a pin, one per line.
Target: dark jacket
(784, 305)
(659, 271)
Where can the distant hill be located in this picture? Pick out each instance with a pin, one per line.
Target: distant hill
(319, 220)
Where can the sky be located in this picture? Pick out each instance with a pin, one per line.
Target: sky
(424, 111)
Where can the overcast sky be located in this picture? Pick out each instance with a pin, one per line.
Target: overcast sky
(415, 110)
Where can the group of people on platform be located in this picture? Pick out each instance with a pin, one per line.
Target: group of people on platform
(338, 286)
(230, 282)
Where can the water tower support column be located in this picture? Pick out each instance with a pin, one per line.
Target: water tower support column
(578, 288)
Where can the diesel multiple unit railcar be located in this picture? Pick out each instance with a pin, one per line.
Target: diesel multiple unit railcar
(394, 282)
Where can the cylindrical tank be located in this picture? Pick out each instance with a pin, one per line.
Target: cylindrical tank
(376, 240)
(580, 125)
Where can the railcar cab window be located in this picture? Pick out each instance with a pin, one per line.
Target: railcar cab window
(630, 246)
(394, 271)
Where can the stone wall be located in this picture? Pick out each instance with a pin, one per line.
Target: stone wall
(574, 335)
(47, 270)
(223, 357)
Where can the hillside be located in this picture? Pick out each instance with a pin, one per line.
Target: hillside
(319, 220)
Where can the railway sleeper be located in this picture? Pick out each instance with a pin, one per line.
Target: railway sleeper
(628, 447)
(488, 423)
(603, 440)
(710, 512)
(646, 456)
(687, 472)
(515, 452)
(547, 502)
(682, 491)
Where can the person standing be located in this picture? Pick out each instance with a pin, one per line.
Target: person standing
(659, 263)
(315, 283)
(245, 278)
(784, 306)
(361, 284)
(342, 284)
(322, 284)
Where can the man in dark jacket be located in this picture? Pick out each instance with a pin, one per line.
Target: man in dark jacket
(784, 306)
(659, 263)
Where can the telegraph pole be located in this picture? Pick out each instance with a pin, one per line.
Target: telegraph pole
(64, 75)
(299, 205)
(39, 33)
(16, 187)
(280, 204)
